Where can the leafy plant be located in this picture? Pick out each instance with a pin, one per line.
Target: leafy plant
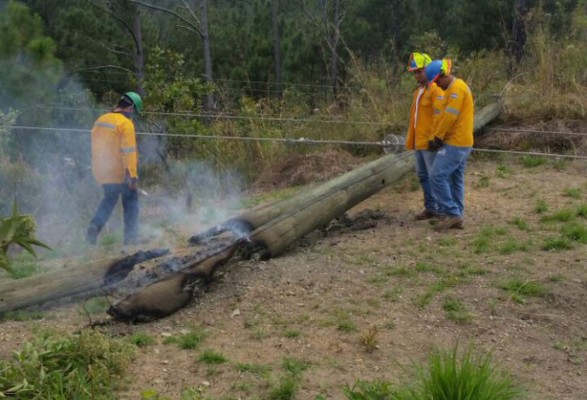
(18, 229)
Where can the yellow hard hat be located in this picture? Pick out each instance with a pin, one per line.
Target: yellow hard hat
(418, 61)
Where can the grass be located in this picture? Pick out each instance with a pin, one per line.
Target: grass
(456, 310)
(343, 322)
(369, 340)
(503, 171)
(564, 215)
(582, 211)
(520, 223)
(541, 206)
(292, 334)
(520, 288)
(449, 374)
(532, 162)
(23, 266)
(575, 231)
(85, 366)
(189, 340)
(255, 369)
(557, 244)
(513, 245)
(22, 316)
(575, 193)
(286, 389)
(211, 357)
(294, 366)
(95, 305)
(142, 339)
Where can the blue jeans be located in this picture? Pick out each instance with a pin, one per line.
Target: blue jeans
(130, 206)
(424, 161)
(447, 179)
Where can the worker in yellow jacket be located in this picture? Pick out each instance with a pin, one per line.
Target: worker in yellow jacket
(426, 107)
(115, 166)
(453, 141)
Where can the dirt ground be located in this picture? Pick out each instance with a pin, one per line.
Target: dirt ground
(364, 299)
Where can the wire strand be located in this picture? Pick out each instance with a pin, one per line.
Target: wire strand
(512, 130)
(301, 140)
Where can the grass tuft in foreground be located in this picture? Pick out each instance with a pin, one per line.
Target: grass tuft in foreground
(448, 375)
(85, 366)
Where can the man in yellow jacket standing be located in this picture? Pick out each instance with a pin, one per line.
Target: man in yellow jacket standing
(452, 140)
(425, 109)
(115, 166)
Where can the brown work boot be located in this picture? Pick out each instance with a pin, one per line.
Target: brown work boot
(449, 222)
(426, 214)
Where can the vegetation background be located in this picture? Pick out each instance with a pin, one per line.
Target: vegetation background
(318, 69)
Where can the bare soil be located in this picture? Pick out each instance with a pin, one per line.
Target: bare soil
(379, 280)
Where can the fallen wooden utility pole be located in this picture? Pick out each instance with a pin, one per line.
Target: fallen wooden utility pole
(268, 229)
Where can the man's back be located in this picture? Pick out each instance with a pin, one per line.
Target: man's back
(113, 148)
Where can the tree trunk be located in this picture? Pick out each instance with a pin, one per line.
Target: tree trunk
(519, 30)
(276, 46)
(139, 52)
(207, 54)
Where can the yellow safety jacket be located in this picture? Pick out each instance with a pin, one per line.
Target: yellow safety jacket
(455, 125)
(114, 149)
(426, 108)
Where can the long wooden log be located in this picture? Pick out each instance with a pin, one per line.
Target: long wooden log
(338, 197)
(82, 279)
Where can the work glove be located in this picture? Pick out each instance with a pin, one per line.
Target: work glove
(435, 144)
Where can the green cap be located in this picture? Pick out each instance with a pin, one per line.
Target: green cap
(136, 100)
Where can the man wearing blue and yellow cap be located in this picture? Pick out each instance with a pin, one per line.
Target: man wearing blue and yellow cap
(425, 109)
(453, 141)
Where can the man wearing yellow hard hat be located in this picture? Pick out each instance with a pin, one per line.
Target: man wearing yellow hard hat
(453, 141)
(115, 166)
(425, 109)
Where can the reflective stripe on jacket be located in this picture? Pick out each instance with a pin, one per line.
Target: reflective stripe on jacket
(114, 149)
(455, 125)
(426, 108)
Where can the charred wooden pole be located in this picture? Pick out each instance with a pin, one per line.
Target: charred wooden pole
(82, 279)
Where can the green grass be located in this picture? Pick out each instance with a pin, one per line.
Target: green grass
(286, 389)
(557, 244)
(575, 231)
(513, 245)
(575, 193)
(456, 310)
(450, 375)
(364, 390)
(520, 223)
(292, 334)
(21, 316)
(520, 288)
(142, 339)
(255, 369)
(343, 322)
(95, 305)
(532, 162)
(189, 340)
(503, 171)
(582, 211)
(23, 265)
(211, 357)
(541, 206)
(564, 215)
(294, 366)
(85, 366)
(467, 376)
